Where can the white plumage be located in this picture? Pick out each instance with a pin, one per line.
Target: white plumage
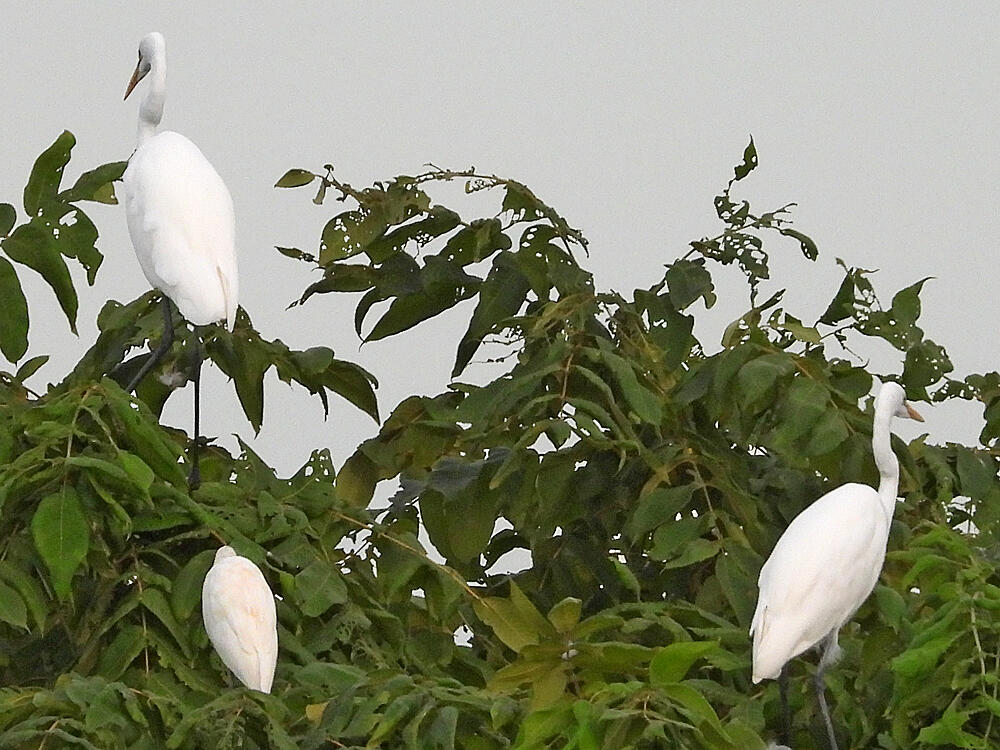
(828, 560)
(238, 609)
(179, 211)
(821, 570)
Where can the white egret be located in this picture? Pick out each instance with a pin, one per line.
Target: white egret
(827, 562)
(180, 218)
(238, 609)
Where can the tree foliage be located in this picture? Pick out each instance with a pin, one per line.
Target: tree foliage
(646, 474)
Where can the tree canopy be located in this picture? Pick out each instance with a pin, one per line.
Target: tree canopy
(644, 474)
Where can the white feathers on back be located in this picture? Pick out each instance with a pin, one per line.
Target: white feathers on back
(238, 609)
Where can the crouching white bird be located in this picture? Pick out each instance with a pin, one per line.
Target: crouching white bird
(826, 564)
(180, 218)
(238, 609)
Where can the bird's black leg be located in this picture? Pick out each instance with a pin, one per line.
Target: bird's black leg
(194, 478)
(156, 355)
(786, 712)
(830, 652)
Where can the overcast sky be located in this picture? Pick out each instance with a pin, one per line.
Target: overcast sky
(879, 120)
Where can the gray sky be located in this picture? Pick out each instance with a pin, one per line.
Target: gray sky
(877, 119)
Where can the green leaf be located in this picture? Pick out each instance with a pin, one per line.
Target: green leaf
(398, 709)
(30, 367)
(657, 507)
(806, 243)
(500, 297)
(926, 363)
(78, 239)
(62, 537)
(914, 663)
(612, 656)
(515, 621)
(522, 203)
(695, 707)
(147, 439)
(687, 280)
(295, 178)
(116, 657)
(398, 564)
(794, 326)
(137, 469)
(975, 473)
(948, 730)
(356, 480)
(898, 324)
(549, 687)
(640, 399)
(12, 609)
(749, 162)
(441, 732)
(46, 174)
(442, 286)
(672, 662)
(566, 614)
(13, 314)
(155, 601)
(7, 218)
(829, 432)
(480, 239)
(185, 594)
(28, 589)
(295, 253)
(96, 184)
(319, 587)
(355, 384)
(758, 377)
(668, 328)
(245, 359)
(805, 402)
(35, 246)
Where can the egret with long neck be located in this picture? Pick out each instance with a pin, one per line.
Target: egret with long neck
(826, 564)
(181, 221)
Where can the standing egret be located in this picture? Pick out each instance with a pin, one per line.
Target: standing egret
(181, 221)
(238, 609)
(827, 562)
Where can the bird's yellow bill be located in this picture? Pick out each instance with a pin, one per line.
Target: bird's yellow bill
(136, 77)
(914, 414)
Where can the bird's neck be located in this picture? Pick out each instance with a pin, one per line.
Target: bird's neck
(151, 109)
(885, 461)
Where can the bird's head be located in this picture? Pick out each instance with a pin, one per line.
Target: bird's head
(152, 47)
(223, 552)
(893, 397)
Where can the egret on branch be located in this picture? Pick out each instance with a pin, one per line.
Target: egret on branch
(180, 217)
(826, 564)
(238, 609)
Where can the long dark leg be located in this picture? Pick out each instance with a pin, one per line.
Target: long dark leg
(194, 478)
(830, 653)
(166, 341)
(786, 712)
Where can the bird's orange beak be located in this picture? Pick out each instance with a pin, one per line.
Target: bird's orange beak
(914, 414)
(136, 77)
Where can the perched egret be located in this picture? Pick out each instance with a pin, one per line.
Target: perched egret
(180, 217)
(238, 609)
(827, 562)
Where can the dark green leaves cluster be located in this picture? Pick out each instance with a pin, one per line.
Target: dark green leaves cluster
(528, 245)
(242, 354)
(55, 228)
